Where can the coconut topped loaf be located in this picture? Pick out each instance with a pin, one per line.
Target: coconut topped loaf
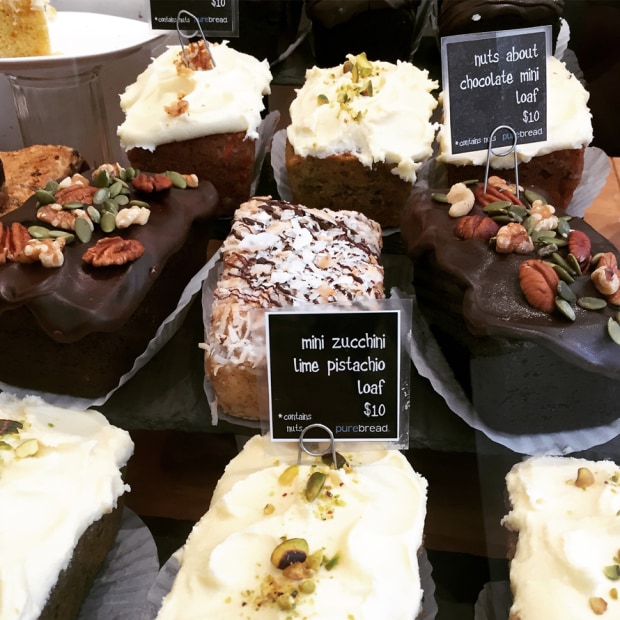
(280, 254)
(286, 540)
(60, 479)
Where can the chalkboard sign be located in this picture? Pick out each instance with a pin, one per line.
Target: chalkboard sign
(493, 79)
(217, 18)
(340, 369)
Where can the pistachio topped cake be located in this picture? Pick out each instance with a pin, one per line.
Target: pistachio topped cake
(286, 540)
(359, 133)
(564, 517)
(61, 492)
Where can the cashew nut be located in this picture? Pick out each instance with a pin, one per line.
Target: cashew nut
(461, 200)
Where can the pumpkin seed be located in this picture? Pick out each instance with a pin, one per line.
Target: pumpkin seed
(107, 222)
(83, 229)
(613, 327)
(560, 242)
(121, 200)
(546, 249)
(591, 303)
(93, 214)
(73, 204)
(559, 260)
(39, 232)
(139, 203)
(565, 292)
(565, 308)
(518, 211)
(469, 182)
(564, 275)
(44, 197)
(571, 259)
(109, 206)
(127, 173)
(497, 206)
(502, 219)
(612, 572)
(66, 235)
(531, 196)
(102, 179)
(101, 195)
(439, 197)
(178, 180)
(52, 186)
(115, 188)
(563, 228)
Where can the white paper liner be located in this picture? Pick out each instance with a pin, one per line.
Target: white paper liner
(165, 578)
(120, 590)
(494, 601)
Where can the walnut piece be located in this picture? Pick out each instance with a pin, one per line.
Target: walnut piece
(49, 252)
(113, 251)
(513, 237)
(57, 217)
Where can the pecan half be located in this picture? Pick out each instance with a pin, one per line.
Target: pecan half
(539, 283)
(476, 227)
(13, 241)
(149, 184)
(76, 193)
(113, 251)
(56, 216)
(580, 247)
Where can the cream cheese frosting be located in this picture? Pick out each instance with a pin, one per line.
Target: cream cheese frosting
(567, 563)
(333, 113)
(569, 123)
(225, 98)
(59, 473)
(366, 524)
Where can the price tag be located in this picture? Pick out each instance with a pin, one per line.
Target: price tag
(339, 369)
(217, 18)
(492, 79)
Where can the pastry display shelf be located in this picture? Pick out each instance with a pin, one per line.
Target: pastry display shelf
(173, 472)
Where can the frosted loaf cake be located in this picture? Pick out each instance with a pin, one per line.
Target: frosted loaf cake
(564, 514)
(361, 531)
(358, 135)
(557, 163)
(279, 254)
(202, 117)
(61, 490)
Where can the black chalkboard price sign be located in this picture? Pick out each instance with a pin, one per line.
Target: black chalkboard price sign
(339, 369)
(217, 18)
(493, 79)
